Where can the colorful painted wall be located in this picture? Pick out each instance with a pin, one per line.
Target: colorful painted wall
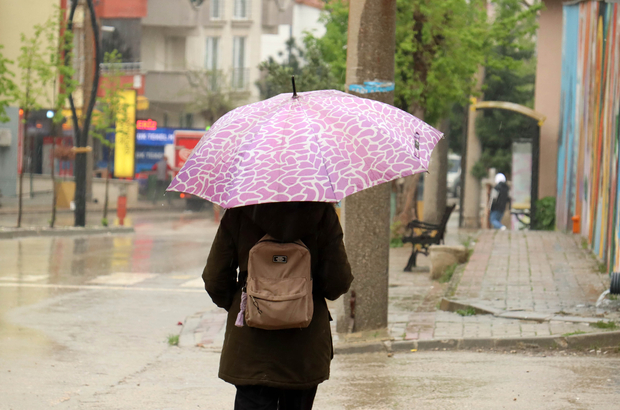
(588, 160)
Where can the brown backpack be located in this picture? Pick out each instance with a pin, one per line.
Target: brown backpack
(279, 285)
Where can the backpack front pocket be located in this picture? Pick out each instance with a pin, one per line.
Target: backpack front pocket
(279, 303)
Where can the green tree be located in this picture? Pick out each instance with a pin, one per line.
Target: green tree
(439, 47)
(59, 53)
(333, 44)
(110, 109)
(306, 64)
(211, 94)
(42, 65)
(7, 86)
(510, 76)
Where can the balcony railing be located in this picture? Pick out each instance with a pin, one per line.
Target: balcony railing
(135, 67)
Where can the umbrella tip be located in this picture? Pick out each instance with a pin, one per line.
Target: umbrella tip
(294, 88)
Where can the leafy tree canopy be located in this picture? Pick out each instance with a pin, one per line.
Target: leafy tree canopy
(110, 106)
(440, 45)
(7, 86)
(311, 71)
(211, 94)
(510, 76)
(44, 60)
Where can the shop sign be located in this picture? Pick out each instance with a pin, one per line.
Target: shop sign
(125, 139)
(149, 125)
(158, 137)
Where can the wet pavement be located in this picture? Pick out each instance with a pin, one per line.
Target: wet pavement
(84, 324)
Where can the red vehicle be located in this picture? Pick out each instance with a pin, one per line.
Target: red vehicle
(184, 143)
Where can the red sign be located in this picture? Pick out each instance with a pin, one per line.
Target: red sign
(185, 142)
(20, 142)
(149, 125)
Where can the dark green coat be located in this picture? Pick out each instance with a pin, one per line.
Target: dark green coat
(292, 358)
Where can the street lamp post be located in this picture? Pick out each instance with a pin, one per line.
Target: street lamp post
(81, 134)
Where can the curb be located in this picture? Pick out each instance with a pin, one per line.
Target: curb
(448, 305)
(584, 341)
(36, 211)
(25, 233)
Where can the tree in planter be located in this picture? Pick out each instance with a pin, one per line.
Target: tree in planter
(7, 86)
(42, 66)
(111, 109)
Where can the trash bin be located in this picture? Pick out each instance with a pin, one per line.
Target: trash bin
(65, 192)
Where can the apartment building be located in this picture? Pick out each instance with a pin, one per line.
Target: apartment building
(184, 36)
(286, 19)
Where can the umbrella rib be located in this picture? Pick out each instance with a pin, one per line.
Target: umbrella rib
(276, 109)
(331, 184)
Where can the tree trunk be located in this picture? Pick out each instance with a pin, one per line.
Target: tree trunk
(53, 174)
(370, 56)
(435, 182)
(21, 174)
(407, 199)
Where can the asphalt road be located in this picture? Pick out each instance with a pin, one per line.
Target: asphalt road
(84, 324)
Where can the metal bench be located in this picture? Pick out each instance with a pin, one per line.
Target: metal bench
(422, 235)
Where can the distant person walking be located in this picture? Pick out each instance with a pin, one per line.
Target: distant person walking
(500, 196)
(162, 169)
(276, 369)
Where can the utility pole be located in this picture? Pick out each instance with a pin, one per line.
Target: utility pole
(370, 57)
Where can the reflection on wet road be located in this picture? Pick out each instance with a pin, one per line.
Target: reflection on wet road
(166, 254)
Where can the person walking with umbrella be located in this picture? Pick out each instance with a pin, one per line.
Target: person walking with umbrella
(278, 166)
(162, 170)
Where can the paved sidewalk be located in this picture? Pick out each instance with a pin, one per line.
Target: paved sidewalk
(542, 283)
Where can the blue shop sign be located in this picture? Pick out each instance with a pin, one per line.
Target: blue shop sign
(158, 137)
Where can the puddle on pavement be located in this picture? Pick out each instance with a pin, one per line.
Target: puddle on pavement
(18, 340)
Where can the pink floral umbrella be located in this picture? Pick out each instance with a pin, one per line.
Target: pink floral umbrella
(316, 146)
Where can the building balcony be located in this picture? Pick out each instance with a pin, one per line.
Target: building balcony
(179, 87)
(175, 13)
(167, 87)
(125, 68)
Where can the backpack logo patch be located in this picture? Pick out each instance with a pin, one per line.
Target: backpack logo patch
(280, 259)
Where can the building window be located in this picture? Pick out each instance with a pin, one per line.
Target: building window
(186, 120)
(212, 53)
(242, 9)
(216, 9)
(240, 73)
(175, 53)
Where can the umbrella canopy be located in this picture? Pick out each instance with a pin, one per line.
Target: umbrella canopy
(316, 146)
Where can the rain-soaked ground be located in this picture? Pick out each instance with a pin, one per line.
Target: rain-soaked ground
(84, 324)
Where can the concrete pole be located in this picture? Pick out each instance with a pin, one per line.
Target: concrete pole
(370, 56)
(436, 181)
(471, 190)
